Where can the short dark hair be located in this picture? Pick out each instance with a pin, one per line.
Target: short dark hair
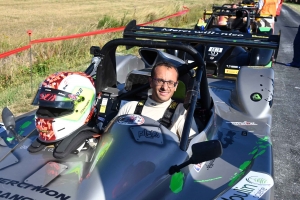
(165, 64)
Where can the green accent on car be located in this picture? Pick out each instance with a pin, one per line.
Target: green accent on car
(256, 97)
(236, 177)
(104, 147)
(264, 29)
(208, 180)
(245, 165)
(269, 65)
(176, 183)
(25, 124)
(258, 150)
(77, 170)
(21, 132)
(10, 139)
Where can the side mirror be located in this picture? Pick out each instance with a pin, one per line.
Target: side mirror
(205, 151)
(10, 122)
(202, 151)
(8, 119)
(95, 50)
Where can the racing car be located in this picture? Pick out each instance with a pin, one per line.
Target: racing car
(133, 156)
(226, 60)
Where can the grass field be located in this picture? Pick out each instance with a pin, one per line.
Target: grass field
(295, 7)
(52, 18)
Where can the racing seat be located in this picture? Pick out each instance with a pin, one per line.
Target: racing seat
(238, 22)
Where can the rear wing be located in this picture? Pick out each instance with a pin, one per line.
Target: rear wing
(223, 8)
(203, 37)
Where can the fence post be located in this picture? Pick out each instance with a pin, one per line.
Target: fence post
(29, 32)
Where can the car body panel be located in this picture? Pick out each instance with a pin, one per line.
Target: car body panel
(133, 156)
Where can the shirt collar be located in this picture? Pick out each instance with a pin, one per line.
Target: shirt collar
(151, 102)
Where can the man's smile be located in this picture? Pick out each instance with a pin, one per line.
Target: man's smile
(163, 93)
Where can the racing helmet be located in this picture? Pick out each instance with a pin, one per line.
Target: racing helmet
(66, 102)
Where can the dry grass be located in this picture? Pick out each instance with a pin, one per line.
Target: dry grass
(53, 18)
(50, 18)
(295, 7)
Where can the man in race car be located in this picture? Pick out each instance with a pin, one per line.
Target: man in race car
(164, 82)
(222, 20)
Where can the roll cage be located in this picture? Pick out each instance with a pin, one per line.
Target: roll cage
(226, 11)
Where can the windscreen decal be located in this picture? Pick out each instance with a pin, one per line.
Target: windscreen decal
(253, 186)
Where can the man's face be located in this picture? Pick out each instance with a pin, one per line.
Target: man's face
(162, 92)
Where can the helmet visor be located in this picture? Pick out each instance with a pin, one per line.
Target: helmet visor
(48, 97)
(67, 105)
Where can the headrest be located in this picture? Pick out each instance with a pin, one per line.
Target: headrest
(180, 92)
(152, 56)
(137, 77)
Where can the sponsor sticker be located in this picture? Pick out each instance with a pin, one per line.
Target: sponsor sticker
(9, 184)
(233, 66)
(198, 166)
(253, 186)
(103, 105)
(149, 134)
(131, 120)
(214, 51)
(231, 71)
(245, 123)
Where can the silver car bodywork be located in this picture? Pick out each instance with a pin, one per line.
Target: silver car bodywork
(131, 160)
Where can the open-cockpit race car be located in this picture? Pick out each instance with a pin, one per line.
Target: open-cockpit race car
(133, 156)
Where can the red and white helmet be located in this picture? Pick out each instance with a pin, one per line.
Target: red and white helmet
(65, 101)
